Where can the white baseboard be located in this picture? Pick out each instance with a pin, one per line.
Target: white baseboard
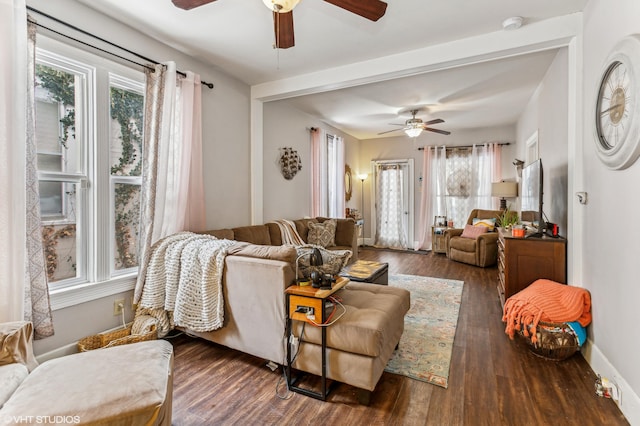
(69, 349)
(629, 401)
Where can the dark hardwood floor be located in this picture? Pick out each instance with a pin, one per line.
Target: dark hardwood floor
(492, 380)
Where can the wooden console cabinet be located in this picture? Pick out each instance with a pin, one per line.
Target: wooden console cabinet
(521, 261)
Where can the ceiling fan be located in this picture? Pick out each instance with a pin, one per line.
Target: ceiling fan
(414, 126)
(283, 14)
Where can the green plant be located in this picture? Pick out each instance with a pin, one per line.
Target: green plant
(508, 218)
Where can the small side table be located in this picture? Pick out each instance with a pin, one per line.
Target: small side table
(298, 300)
(438, 241)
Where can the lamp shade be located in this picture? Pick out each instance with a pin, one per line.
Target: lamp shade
(504, 189)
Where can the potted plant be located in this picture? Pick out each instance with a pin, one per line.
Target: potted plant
(508, 218)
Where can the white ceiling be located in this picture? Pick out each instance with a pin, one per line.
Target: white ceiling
(237, 36)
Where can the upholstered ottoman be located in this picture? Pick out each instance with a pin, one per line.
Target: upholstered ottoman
(367, 271)
(124, 385)
(361, 342)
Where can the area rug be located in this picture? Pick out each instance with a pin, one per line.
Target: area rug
(425, 347)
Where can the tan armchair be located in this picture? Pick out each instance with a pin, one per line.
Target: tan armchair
(481, 251)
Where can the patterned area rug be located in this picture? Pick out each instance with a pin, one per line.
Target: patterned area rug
(429, 328)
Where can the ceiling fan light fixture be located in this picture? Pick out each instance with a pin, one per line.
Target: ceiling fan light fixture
(413, 132)
(281, 6)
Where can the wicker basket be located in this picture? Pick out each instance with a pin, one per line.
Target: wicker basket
(114, 338)
(556, 341)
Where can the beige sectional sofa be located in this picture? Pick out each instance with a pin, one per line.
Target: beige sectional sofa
(269, 234)
(254, 280)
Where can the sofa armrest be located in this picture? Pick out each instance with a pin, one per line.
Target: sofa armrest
(448, 234)
(254, 306)
(487, 249)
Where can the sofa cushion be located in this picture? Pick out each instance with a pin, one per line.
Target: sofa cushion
(374, 318)
(283, 253)
(333, 261)
(489, 223)
(302, 226)
(463, 244)
(256, 234)
(223, 234)
(15, 344)
(11, 375)
(322, 234)
(472, 231)
(123, 385)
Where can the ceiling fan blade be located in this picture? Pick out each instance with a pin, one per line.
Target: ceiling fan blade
(190, 4)
(435, 121)
(389, 131)
(442, 132)
(283, 29)
(369, 9)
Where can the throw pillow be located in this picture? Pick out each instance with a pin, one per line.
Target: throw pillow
(490, 224)
(323, 234)
(332, 261)
(473, 232)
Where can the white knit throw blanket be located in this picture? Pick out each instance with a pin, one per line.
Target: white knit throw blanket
(183, 285)
(289, 232)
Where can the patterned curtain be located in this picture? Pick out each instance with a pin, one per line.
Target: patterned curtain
(390, 230)
(37, 307)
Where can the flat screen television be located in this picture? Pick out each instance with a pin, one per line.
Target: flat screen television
(531, 197)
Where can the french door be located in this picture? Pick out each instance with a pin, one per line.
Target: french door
(393, 203)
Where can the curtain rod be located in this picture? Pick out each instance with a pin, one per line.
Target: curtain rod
(73, 27)
(460, 147)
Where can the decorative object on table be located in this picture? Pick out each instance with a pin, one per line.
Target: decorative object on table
(426, 345)
(617, 124)
(508, 218)
(290, 162)
(311, 273)
(440, 221)
(348, 188)
(504, 190)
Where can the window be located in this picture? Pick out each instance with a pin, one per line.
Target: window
(89, 121)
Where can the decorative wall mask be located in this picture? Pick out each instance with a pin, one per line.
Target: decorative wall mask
(290, 162)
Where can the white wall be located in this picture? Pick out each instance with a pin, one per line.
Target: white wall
(547, 113)
(611, 243)
(225, 156)
(285, 126)
(403, 147)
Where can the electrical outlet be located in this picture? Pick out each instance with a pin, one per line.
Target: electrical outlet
(118, 306)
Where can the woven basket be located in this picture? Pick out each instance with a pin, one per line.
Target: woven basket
(556, 341)
(114, 338)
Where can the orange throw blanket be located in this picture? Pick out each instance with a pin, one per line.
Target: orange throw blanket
(548, 301)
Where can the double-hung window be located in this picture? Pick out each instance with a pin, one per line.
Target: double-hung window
(89, 122)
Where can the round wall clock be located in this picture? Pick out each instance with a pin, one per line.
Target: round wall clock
(617, 123)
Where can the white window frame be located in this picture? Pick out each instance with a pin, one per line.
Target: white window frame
(99, 280)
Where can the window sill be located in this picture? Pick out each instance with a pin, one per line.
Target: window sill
(71, 296)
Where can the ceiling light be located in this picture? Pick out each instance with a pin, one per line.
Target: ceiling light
(512, 23)
(413, 132)
(281, 6)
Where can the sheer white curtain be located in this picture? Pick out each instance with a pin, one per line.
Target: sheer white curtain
(23, 281)
(172, 186)
(318, 184)
(335, 177)
(390, 231)
(433, 195)
(485, 168)
(13, 123)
